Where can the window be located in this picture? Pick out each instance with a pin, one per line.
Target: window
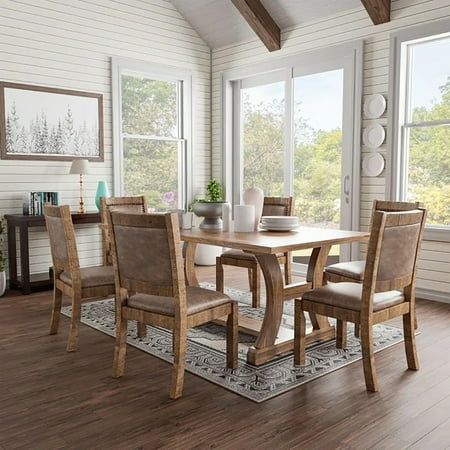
(152, 141)
(421, 166)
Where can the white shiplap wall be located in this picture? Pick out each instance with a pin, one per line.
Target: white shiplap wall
(434, 265)
(69, 44)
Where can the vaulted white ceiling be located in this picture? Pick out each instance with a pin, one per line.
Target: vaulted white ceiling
(219, 23)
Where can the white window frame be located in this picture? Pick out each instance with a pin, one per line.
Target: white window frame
(399, 87)
(121, 66)
(352, 54)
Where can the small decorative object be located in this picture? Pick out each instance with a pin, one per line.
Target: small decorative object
(244, 218)
(210, 208)
(42, 123)
(373, 164)
(102, 191)
(255, 196)
(186, 220)
(80, 167)
(226, 216)
(2, 257)
(374, 106)
(373, 136)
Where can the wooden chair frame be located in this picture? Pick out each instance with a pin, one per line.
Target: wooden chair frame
(378, 205)
(366, 317)
(181, 321)
(77, 293)
(254, 274)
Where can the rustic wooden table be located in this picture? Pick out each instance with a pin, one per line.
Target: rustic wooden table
(265, 245)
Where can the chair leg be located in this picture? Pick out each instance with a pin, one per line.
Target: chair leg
(341, 334)
(299, 334)
(56, 312)
(410, 341)
(232, 337)
(255, 286)
(219, 275)
(72, 343)
(120, 348)
(368, 357)
(179, 336)
(357, 330)
(141, 330)
(288, 270)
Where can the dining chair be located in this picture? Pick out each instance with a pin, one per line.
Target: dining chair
(150, 288)
(130, 204)
(69, 279)
(387, 290)
(273, 206)
(353, 271)
(134, 204)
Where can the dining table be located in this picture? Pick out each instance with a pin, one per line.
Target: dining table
(271, 340)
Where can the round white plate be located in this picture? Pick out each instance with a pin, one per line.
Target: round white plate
(373, 135)
(374, 106)
(373, 164)
(267, 228)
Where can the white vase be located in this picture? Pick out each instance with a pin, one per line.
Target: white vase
(205, 255)
(255, 196)
(244, 218)
(2, 283)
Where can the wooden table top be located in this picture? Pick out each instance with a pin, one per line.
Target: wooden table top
(273, 242)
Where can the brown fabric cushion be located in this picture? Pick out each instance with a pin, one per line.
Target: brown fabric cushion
(240, 254)
(92, 276)
(351, 269)
(198, 299)
(348, 296)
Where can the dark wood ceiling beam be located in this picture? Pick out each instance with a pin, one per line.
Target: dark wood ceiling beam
(261, 22)
(379, 10)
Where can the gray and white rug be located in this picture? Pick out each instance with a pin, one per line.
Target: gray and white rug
(205, 356)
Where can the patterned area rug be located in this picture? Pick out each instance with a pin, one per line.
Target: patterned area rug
(205, 355)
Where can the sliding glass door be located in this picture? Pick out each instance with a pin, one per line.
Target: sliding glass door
(292, 137)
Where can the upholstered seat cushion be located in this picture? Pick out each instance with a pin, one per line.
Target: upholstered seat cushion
(198, 299)
(351, 269)
(348, 296)
(92, 276)
(240, 254)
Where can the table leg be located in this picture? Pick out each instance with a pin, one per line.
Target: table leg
(24, 260)
(189, 263)
(12, 256)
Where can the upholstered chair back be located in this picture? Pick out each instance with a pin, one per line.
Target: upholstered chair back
(278, 206)
(147, 253)
(393, 248)
(62, 238)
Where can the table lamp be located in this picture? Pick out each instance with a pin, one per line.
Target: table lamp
(80, 167)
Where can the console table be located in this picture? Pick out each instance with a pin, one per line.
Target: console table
(27, 283)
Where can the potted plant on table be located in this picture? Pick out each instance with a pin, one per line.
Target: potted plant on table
(2, 256)
(210, 208)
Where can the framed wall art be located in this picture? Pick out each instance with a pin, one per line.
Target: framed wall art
(42, 123)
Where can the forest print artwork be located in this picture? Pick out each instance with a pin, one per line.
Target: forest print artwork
(42, 123)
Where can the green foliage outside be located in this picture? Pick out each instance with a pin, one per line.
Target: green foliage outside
(151, 166)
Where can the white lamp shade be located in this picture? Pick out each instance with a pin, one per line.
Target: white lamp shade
(79, 167)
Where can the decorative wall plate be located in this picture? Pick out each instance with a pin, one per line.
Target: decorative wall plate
(373, 164)
(373, 135)
(374, 106)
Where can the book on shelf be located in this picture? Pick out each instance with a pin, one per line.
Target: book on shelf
(33, 202)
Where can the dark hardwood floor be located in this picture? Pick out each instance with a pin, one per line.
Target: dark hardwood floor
(50, 399)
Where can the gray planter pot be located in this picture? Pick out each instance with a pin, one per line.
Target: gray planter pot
(211, 212)
(2, 283)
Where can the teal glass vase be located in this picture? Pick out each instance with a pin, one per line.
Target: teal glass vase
(102, 191)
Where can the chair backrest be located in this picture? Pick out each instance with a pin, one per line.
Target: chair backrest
(135, 204)
(147, 255)
(278, 206)
(62, 239)
(393, 248)
(390, 206)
